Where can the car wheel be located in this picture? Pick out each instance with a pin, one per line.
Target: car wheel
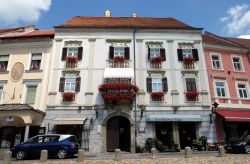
(62, 153)
(247, 149)
(20, 155)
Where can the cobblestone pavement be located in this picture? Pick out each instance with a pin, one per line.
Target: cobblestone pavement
(168, 158)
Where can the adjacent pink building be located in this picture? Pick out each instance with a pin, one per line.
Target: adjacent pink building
(228, 67)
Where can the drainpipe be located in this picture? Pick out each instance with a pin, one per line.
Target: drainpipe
(135, 107)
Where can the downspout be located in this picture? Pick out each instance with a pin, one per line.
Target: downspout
(135, 107)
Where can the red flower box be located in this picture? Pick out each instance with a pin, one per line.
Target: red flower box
(119, 58)
(68, 96)
(188, 60)
(127, 95)
(71, 58)
(192, 95)
(157, 96)
(156, 59)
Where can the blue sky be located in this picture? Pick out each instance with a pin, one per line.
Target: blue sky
(222, 17)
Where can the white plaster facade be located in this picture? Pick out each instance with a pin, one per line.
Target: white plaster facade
(95, 43)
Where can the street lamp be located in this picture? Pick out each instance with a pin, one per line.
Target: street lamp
(212, 114)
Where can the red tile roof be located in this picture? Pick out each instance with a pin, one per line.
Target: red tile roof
(125, 22)
(244, 42)
(32, 34)
(17, 29)
(214, 39)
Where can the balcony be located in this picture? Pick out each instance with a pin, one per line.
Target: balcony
(188, 63)
(68, 96)
(71, 62)
(155, 62)
(116, 92)
(192, 95)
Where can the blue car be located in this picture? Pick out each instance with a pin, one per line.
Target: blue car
(61, 146)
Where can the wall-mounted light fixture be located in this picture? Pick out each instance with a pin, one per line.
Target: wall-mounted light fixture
(212, 115)
(143, 109)
(96, 107)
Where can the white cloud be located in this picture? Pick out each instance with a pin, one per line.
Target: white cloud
(14, 11)
(237, 20)
(244, 36)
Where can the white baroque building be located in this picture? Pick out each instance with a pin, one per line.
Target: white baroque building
(117, 81)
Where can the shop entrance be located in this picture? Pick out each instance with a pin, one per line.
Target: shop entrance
(164, 132)
(118, 134)
(186, 133)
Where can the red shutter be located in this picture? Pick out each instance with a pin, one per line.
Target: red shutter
(64, 53)
(111, 52)
(149, 84)
(78, 84)
(164, 84)
(163, 54)
(180, 56)
(61, 84)
(195, 54)
(80, 49)
(126, 49)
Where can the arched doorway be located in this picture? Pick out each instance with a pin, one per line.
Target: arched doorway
(118, 134)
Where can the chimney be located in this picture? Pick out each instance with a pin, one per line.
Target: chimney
(133, 15)
(107, 13)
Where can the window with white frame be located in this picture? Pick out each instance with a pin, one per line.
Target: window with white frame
(191, 84)
(220, 88)
(156, 84)
(216, 63)
(35, 61)
(4, 59)
(187, 53)
(237, 64)
(72, 51)
(31, 94)
(119, 51)
(154, 52)
(242, 90)
(70, 84)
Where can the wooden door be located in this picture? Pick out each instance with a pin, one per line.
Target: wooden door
(113, 134)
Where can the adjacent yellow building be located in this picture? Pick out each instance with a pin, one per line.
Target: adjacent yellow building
(25, 57)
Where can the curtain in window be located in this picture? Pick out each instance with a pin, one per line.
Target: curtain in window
(31, 94)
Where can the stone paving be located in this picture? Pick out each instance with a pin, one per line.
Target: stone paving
(196, 159)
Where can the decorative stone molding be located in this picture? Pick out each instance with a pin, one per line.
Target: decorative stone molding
(154, 44)
(156, 72)
(73, 43)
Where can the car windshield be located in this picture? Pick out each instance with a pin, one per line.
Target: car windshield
(246, 138)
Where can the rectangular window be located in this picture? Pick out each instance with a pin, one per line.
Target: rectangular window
(156, 85)
(36, 61)
(242, 89)
(72, 51)
(190, 84)
(70, 84)
(1, 92)
(4, 59)
(220, 89)
(187, 53)
(237, 64)
(154, 52)
(216, 62)
(31, 94)
(119, 51)
(125, 81)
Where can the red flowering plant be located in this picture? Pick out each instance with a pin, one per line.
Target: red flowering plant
(157, 96)
(156, 59)
(119, 58)
(124, 91)
(188, 60)
(71, 58)
(68, 96)
(192, 95)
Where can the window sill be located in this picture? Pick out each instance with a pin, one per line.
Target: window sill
(216, 69)
(33, 70)
(243, 99)
(4, 72)
(239, 71)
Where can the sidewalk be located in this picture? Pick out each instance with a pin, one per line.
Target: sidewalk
(162, 158)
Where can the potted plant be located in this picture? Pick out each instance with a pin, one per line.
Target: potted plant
(157, 96)
(68, 96)
(192, 95)
(197, 144)
(119, 58)
(156, 59)
(188, 60)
